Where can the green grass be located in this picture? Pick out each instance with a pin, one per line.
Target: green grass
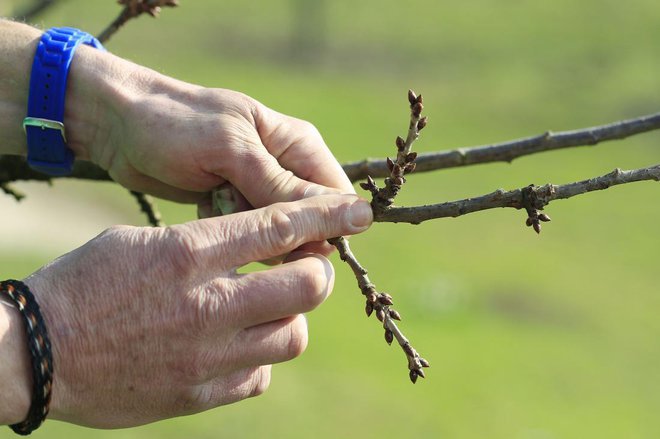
(529, 337)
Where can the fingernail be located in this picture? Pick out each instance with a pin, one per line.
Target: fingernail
(314, 190)
(360, 214)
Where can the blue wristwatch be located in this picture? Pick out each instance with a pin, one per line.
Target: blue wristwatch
(44, 125)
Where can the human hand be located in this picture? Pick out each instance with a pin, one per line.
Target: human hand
(151, 323)
(179, 141)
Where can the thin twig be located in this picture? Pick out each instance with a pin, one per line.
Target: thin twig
(512, 149)
(9, 190)
(133, 9)
(32, 11)
(113, 27)
(381, 303)
(382, 199)
(149, 208)
(543, 195)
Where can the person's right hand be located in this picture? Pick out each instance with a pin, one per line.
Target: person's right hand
(149, 323)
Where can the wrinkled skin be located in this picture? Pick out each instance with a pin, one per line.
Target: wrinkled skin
(149, 323)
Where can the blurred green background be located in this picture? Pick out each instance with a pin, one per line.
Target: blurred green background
(530, 337)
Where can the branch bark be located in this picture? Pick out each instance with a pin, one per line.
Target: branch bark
(542, 196)
(512, 149)
(505, 151)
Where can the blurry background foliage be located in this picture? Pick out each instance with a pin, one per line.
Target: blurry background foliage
(529, 337)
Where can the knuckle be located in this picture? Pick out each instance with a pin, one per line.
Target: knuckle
(180, 250)
(115, 232)
(314, 284)
(191, 400)
(298, 339)
(212, 306)
(309, 129)
(260, 381)
(280, 230)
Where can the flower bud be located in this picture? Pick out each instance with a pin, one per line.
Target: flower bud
(417, 109)
(412, 97)
(410, 167)
(400, 143)
(385, 299)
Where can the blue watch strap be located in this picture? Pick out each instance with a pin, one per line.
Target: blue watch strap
(44, 125)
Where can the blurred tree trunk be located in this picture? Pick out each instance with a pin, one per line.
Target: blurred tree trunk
(308, 37)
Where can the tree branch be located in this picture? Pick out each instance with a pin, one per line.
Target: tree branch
(506, 151)
(148, 207)
(382, 198)
(541, 197)
(133, 9)
(9, 190)
(512, 149)
(381, 303)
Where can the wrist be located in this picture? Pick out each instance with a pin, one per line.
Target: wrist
(92, 83)
(89, 117)
(15, 376)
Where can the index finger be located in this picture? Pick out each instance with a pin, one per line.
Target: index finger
(235, 240)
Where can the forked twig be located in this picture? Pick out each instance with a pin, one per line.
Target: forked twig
(382, 199)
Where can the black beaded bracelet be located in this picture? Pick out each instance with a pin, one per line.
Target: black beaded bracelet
(42, 357)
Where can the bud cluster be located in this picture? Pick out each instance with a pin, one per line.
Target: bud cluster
(405, 158)
(532, 206)
(382, 198)
(415, 363)
(151, 7)
(381, 303)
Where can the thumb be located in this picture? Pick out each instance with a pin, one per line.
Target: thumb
(261, 179)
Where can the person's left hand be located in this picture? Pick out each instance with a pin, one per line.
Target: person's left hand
(179, 141)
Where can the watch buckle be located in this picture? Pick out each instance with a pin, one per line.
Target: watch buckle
(43, 124)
